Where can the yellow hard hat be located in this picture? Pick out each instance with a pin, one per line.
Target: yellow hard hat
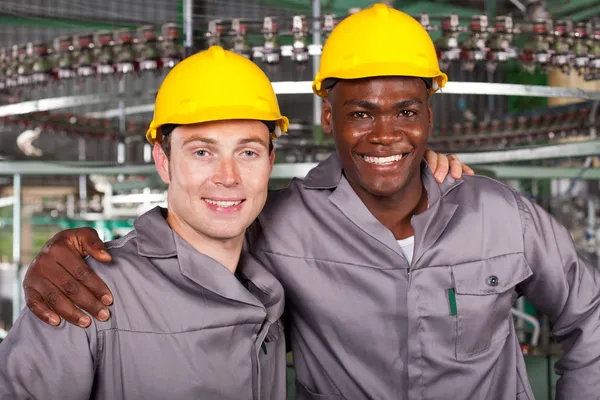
(379, 41)
(215, 85)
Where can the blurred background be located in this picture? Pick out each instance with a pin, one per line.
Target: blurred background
(78, 80)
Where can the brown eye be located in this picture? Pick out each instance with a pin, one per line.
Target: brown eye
(360, 115)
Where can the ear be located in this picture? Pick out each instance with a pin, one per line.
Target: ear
(272, 158)
(430, 111)
(161, 162)
(326, 122)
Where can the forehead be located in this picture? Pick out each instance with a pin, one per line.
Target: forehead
(381, 88)
(222, 131)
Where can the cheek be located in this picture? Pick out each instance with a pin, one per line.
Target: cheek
(256, 178)
(418, 136)
(189, 175)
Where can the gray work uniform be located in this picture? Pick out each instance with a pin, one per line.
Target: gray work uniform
(364, 324)
(182, 327)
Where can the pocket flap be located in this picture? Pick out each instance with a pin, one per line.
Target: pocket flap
(495, 275)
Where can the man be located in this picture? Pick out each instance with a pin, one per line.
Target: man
(398, 287)
(215, 331)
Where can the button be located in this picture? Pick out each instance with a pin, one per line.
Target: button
(493, 280)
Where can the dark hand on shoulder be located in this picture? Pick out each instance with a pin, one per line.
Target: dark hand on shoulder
(59, 279)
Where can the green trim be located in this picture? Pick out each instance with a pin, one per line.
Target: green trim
(566, 9)
(586, 13)
(452, 301)
(62, 23)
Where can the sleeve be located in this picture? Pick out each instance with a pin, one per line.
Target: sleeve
(566, 287)
(38, 361)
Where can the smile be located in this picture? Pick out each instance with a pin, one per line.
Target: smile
(223, 204)
(383, 160)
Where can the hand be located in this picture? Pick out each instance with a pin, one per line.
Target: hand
(442, 164)
(58, 279)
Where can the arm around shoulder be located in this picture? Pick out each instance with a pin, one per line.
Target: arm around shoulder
(44, 362)
(566, 287)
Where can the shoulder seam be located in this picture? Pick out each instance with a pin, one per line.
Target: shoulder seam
(124, 241)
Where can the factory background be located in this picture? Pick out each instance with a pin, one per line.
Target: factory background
(78, 79)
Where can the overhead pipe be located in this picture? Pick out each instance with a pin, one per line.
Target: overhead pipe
(535, 336)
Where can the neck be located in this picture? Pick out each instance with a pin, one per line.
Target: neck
(227, 252)
(395, 212)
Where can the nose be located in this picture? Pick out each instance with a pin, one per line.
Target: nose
(384, 132)
(226, 173)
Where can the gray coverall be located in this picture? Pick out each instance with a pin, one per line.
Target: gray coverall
(182, 327)
(364, 324)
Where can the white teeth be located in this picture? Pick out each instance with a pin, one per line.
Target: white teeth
(223, 203)
(382, 160)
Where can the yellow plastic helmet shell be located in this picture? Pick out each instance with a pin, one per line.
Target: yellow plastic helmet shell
(215, 85)
(379, 41)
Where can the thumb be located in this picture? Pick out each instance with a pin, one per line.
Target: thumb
(97, 251)
(89, 241)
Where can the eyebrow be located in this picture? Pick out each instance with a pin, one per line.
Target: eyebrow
(372, 106)
(361, 103)
(199, 139)
(408, 103)
(213, 141)
(254, 140)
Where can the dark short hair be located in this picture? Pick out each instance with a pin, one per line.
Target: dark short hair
(329, 83)
(167, 129)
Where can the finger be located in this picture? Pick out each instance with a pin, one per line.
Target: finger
(38, 306)
(467, 170)
(78, 268)
(431, 158)
(56, 300)
(442, 168)
(58, 279)
(456, 170)
(88, 243)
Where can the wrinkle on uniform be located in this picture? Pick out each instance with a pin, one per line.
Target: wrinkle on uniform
(182, 327)
(366, 325)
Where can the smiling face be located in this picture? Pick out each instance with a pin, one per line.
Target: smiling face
(218, 175)
(381, 126)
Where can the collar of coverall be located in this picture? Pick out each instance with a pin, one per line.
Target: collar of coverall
(328, 175)
(156, 239)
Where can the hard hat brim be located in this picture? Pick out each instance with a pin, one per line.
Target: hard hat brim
(220, 114)
(382, 69)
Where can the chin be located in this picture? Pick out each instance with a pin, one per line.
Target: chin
(222, 230)
(225, 234)
(382, 189)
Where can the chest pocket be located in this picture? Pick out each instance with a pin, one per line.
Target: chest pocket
(485, 293)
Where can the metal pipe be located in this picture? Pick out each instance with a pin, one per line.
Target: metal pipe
(316, 39)
(533, 321)
(302, 87)
(122, 126)
(521, 322)
(590, 233)
(519, 5)
(82, 178)
(17, 227)
(7, 201)
(188, 27)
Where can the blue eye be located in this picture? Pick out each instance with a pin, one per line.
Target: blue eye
(201, 153)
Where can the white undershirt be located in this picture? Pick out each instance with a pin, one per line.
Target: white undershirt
(407, 245)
